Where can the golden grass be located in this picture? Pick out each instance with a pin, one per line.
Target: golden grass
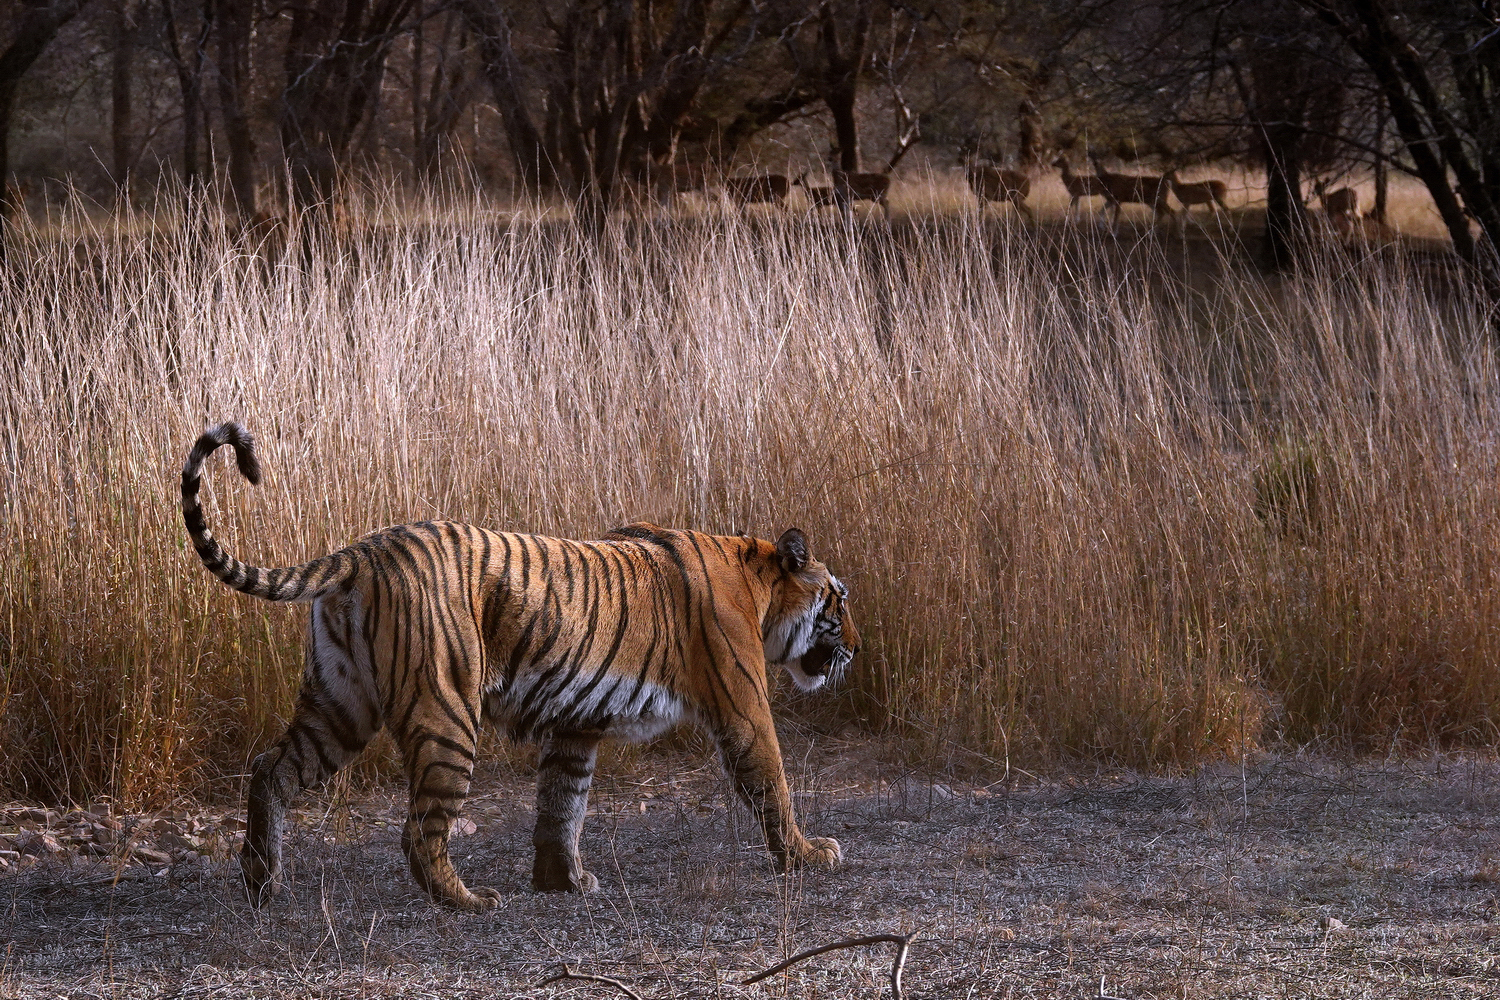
(1083, 508)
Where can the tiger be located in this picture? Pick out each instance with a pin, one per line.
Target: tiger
(429, 630)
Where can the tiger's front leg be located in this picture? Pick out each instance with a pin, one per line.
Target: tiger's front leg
(563, 777)
(752, 756)
(438, 770)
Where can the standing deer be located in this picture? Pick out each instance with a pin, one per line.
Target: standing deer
(997, 184)
(1120, 189)
(1341, 206)
(672, 179)
(770, 188)
(819, 197)
(851, 187)
(1210, 192)
(1079, 185)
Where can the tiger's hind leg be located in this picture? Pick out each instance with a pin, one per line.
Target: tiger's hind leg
(338, 713)
(563, 777)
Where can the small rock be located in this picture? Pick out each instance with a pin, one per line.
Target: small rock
(151, 855)
(464, 827)
(178, 842)
(36, 844)
(31, 815)
(1332, 925)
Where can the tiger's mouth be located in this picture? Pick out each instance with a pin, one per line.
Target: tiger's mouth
(819, 665)
(815, 661)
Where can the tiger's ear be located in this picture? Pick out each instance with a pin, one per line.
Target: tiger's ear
(791, 547)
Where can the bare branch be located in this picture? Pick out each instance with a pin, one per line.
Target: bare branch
(901, 941)
(568, 973)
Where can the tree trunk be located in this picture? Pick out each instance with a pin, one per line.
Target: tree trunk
(1286, 219)
(119, 86)
(335, 61)
(232, 21)
(1028, 133)
(842, 66)
(189, 69)
(36, 30)
(1382, 168)
(840, 104)
(503, 71)
(417, 130)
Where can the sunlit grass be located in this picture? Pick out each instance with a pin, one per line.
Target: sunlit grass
(1083, 510)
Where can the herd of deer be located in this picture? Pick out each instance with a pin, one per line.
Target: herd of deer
(1000, 185)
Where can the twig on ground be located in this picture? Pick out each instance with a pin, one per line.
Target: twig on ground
(568, 973)
(1102, 995)
(901, 941)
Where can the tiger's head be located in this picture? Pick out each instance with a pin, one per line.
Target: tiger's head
(808, 629)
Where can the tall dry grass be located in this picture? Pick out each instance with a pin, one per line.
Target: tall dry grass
(1085, 506)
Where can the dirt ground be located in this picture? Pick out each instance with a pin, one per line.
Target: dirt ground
(1289, 876)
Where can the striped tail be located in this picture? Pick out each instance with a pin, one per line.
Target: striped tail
(292, 583)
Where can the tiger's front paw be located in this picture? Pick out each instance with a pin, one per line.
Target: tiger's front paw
(821, 852)
(476, 900)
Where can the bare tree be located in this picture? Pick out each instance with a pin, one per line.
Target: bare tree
(123, 23)
(37, 23)
(616, 85)
(843, 35)
(1438, 66)
(335, 60)
(439, 94)
(189, 68)
(1252, 78)
(232, 22)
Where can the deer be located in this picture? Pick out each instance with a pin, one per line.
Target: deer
(770, 188)
(819, 197)
(1145, 189)
(670, 180)
(1210, 192)
(849, 187)
(997, 184)
(1079, 185)
(1341, 206)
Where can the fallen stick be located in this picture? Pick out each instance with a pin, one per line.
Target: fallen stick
(568, 973)
(902, 943)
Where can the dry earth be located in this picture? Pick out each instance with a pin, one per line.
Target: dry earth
(1292, 876)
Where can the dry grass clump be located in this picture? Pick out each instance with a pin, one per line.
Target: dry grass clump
(1083, 508)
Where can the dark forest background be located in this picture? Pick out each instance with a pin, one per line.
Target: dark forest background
(600, 101)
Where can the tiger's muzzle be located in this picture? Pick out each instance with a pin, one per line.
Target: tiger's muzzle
(827, 662)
